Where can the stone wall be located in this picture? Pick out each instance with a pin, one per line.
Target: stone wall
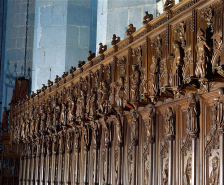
(18, 44)
(114, 16)
(62, 37)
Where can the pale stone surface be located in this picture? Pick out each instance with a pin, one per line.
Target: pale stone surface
(114, 16)
(62, 37)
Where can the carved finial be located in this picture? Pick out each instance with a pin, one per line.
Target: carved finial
(81, 63)
(130, 30)
(57, 79)
(64, 74)
(44, 87)
(147, 18)
(38, 91)
(72, 70)
(168, 4)
(49, 83)
(91, 56)
(102, 48)
(32, 94)
(115, 40)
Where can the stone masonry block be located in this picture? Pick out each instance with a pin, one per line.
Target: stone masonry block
(134, 16)
(59, 15)
(19, 19)
(84, 36)
(20, 43)
(74, 15)
(11, 54)
(117, 23)
(46, 16)
(11, 43)
(72, 36)
(22, 31)
(13, 32)
(20, 54)
(53, 36)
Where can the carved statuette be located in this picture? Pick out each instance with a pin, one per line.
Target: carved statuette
(202, 59)
(71, 109)
(135, 80)
(93, 103)
(119, 91)
(192, 115)
(177, 57)
(149, 126)
(214, 175)
(134, 127)
(188, 172)
(165, 173)
(153, 79)
(169, 127)
(219, 110)
(118, 129)
(105, 97)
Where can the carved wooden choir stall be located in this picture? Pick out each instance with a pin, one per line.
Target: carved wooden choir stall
(147, 111)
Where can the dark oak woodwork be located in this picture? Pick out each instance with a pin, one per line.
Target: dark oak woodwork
(149, 110)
